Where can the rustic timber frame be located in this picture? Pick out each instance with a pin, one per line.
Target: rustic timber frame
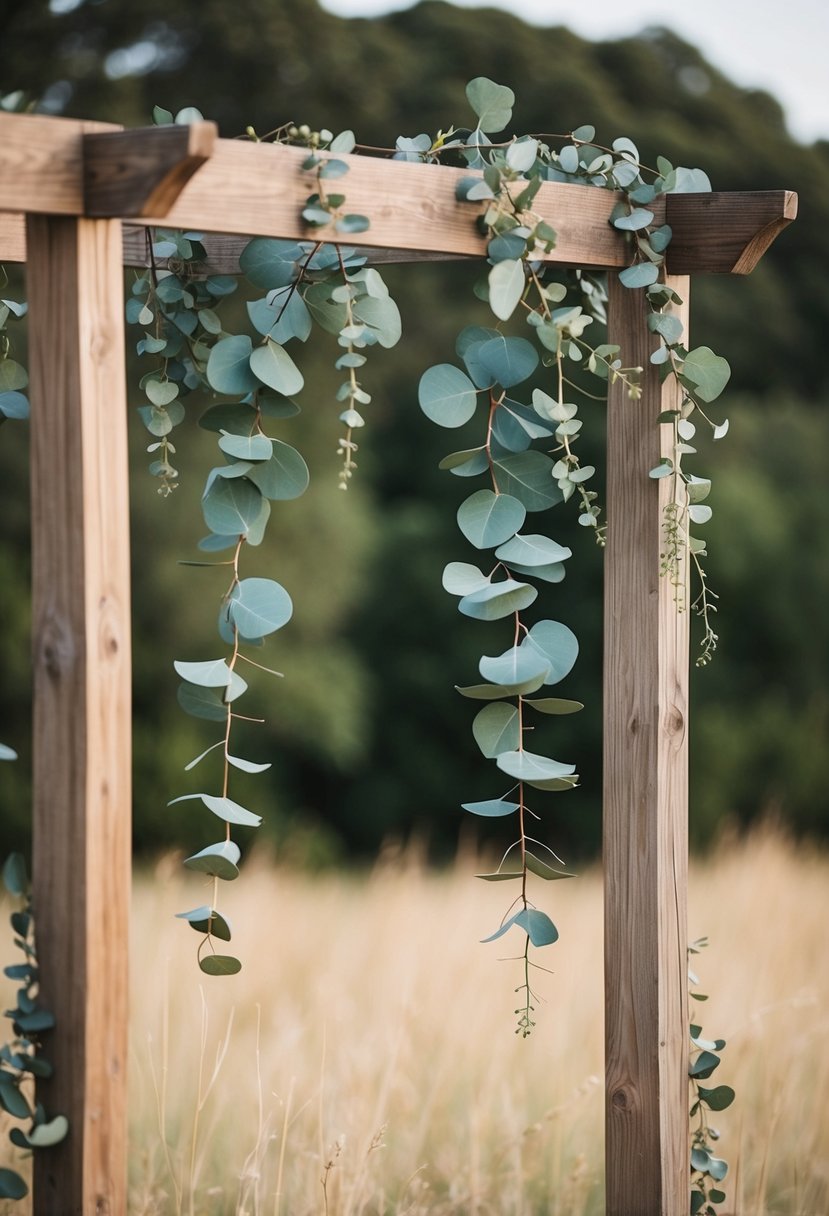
(65, 188)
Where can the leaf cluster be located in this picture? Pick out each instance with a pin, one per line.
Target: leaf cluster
(22, 1058)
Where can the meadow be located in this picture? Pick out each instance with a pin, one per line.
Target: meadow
(364, 1062)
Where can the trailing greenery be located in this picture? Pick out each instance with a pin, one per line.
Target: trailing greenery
(21, 1058)
(707, 1169)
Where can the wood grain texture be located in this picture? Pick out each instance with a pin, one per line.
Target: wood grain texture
(41, 163)
(721, 233)
(142, 172)
(82, 702)
(645, 802)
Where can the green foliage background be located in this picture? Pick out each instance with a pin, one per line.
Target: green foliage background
(368, 736)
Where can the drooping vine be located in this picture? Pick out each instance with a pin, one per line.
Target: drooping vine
(707, 1168)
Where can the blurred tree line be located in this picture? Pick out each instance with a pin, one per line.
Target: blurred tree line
(369, 738)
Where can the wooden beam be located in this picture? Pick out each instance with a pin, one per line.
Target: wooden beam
(725, 233)
(645, 799)
(82, 702)
(135, 173)
(248, 188)
(41, 163)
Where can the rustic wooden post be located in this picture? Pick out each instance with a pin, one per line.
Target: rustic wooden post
(82, 707)
(645, 799)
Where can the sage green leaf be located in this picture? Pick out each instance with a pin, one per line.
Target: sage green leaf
(515, 666)
(555, 643)
(199, 913)
(283, 315)
(509, 360)
(353, 223)
(536, 866)
(15, 878)
(14, 405)
(246, 766)
(36, 1022)
(496, 729)
(703, 1065)
(12, 1185)
(637, 219)
(486, 519)
(707, 372)
(46, 1134)
(160, 392)
(214, 924)
(532, 551)
(521, 154)
(285, 476)
(446, 395)
(220, 964)
(259, 606)
(218, 860)
(228, 367)
(501, 875)
(271, 263)
(213, 673)
(232, 507)
(716, 1099)
(552, 573)
(458, 458)
(273, 365)
(667, 325)
(232, 416)
(492, 692)
(12, 1099)
(382, 315)
(491, 102)
(527, 476)
(8, 753)
(506, 287)
(225, 808)
(478, 463)
(246, 447)
(202, 702)
(641, 275)
(532, 768)
(12, 376)
(498, 600)
(539, 928)
(460, 578)
(491, 808)
(553, 705)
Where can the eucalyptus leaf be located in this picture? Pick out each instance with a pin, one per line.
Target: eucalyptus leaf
(220, 964)
(228, 367)
(486, 519)
(539, 928)
(532, 550)
(497, 600)
(273, 365)
(509, 360)
(532, 768)
(554, 643)
(515, 666)
(447, 396)
(506, 287)
(554, 705)
(527, 476)
(259, 606)
(44, 1135)
(202, 702)
(491, 102)
(460, 578)
(496, 729)
(491, 808)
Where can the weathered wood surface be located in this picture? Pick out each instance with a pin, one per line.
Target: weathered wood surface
(645, 801)
(725, 233)
(41, 163)
(133, 173)
(82, 703)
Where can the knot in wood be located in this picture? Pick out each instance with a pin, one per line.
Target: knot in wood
(55, 649)
(619, 1099)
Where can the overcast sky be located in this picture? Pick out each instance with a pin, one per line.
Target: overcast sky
(781, 47)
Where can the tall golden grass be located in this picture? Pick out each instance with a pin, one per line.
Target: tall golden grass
(364, 1063)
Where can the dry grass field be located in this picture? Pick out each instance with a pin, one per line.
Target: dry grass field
(364, 1062)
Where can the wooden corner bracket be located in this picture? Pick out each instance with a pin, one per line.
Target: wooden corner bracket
(139, 173)
(725, 233)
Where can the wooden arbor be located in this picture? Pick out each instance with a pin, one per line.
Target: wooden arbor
(65, 188)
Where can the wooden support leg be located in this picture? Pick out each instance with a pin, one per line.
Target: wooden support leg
(82, 714)
(645, 800)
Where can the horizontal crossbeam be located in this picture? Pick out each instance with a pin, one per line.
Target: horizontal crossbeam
(60, 166)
